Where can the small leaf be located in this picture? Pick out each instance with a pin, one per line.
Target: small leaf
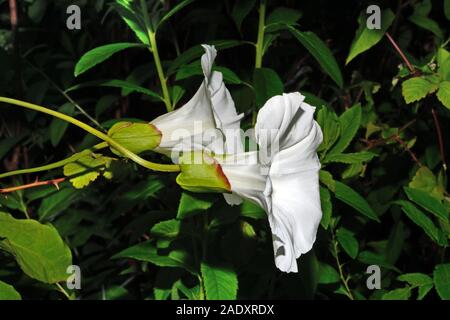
(425, 180)
(252, 210)
(280, 18)
(192, 203)
(8, 292)
(428, 202)
(328, 274)
(56, 203)
(419, 218)
(416, 279)
(87, 169)
(350, 158)
(127, 11)
(327, 179)
(167, 229)
(37, 248)
(58, 127)
(221, 283)
(241, 9)
(320, 52)
(417, 88)
(366, 38)
(349, 122)
(329, 123)
(100, 54)
(397, 294)
(348, 242)
(353, 199)
(443, 93)
(441, 276)
(267, 84)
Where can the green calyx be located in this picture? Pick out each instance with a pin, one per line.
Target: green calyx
(202, 173)
(136, 137)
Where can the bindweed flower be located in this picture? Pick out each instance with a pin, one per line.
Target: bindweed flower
(282, 177)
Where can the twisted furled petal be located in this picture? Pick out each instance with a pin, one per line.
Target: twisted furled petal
(205, 121)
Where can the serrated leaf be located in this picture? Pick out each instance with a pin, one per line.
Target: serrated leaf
(37, 248)
(441, 278)
(443, 93)
(417, 88)
(7, 292)
(348, 242)
(419, 218)
(320, 52)
(428, 202)
(100, 54)
(354, 199)
(221, 283)
(366, 38)
(87, 169)
(416, 279)
(425, 180)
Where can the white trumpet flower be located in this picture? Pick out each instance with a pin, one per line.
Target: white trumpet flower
(283, 176)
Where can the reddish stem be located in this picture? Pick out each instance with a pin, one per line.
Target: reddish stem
(54, 182)
(400, 52)
(440, 139)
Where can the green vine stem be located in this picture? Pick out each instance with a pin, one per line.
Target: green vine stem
(155, 52)
(127, 153)
(56, 164)
(260, 39)
(344, 280)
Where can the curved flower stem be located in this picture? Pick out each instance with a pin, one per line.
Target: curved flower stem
(260, 40)
(341, 271)
(56, 164)
(154, 49)
(127, 153)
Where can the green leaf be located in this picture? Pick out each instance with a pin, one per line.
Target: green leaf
(193, 203)
(58, 127)
(146, 251)
(37, 248)
(417, 88)
(441, 276)
(349, 158)
(348, 242)
(87, 169)
(252, 210)
(220, 283)
(423, 290)
(443, 93)
(428, 202)
(325, 202)
(267, 84)
(100, 54)
(240, 10)
(328, 274)
(320, 52)
(167, 229)
(397, 294)
(280, 18)
(349, 122)
(447, 9)
(425, 180)
(8, 292)
(56, 203)
(366, 38)
(416, 279)
(353, 199)
(420, 18)
(195, 69)
(329, 123)
(419, 218)
(115, 83)
(127, 11)
(327, 179)
(173, 11)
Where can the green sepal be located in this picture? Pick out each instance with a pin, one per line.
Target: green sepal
(136, 137)
(202, 173)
